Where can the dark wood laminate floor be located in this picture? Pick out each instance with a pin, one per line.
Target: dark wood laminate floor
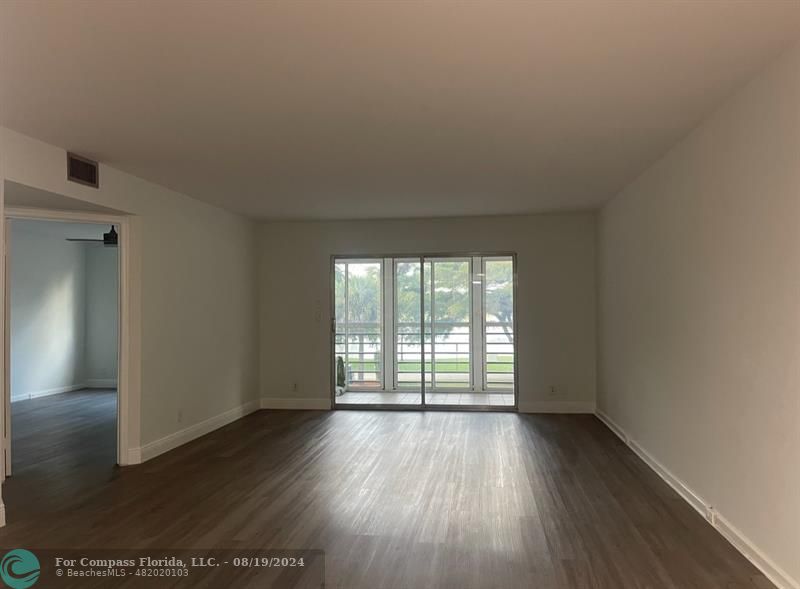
(63, 446)
(398, 499)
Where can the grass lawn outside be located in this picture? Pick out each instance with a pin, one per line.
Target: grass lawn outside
(501, 364)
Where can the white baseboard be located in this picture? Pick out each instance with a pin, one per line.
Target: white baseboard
(619, 432)
(557, 407)
(48, 392)
(2, 514)
(700, 505)
(101, 383)
(172, 441)
(307, 404)
(739, 541)
(134, 457)
(771, 570)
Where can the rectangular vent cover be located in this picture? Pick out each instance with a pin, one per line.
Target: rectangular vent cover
(82, 170)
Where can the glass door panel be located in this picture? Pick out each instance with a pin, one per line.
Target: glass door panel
(408, 342)
(407, 279)
(498, 297)
(448, 330)
(358, 323)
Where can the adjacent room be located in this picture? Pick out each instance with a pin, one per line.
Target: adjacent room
(62, 317)
(400, 294)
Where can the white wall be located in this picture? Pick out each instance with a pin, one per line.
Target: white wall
(193, 274)
(48, 304)
(64, 310)
(556, 296)
(102, 292)
(700, 311)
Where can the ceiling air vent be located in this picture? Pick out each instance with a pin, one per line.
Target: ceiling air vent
(82, 170)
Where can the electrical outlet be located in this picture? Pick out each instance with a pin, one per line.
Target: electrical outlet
(553, 392)
(295, 387)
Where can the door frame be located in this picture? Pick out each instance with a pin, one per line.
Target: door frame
(423, 406)
(124, 375)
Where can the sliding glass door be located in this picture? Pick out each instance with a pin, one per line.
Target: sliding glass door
(377, 332)
(449, 325)
(434, 331)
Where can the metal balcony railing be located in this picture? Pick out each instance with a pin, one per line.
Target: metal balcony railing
(448, 358)
(498, 343)
(360, 346)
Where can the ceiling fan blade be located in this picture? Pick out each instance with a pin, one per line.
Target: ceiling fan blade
(110, 239)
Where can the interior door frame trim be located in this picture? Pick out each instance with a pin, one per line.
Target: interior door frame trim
(125, 388)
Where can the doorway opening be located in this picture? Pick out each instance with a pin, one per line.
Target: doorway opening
(62, 334)
(434, 331)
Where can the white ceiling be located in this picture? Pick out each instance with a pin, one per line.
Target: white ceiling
(380, 109)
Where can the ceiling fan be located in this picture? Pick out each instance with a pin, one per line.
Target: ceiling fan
(109, 239)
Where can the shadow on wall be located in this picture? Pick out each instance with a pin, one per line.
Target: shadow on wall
(63, 303)
(39, 360)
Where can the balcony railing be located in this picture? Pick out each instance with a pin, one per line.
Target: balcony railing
(447, 356)
(499, 355)
(359, 345)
